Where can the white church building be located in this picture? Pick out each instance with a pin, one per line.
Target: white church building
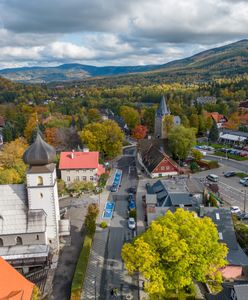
(29, 213)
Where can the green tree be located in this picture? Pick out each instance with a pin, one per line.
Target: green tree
(130, 116)
(105, 137)
(94, 115)
(176, 250)
(214, 133)
(181, 140)
(185, 121)
(197, 154)
(168, 124)
(90, 219)
(149, 118)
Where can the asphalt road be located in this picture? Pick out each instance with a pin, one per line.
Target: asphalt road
(115, 275)
(239, 165)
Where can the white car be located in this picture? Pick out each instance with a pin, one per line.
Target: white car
(243, 180)
(131, 223)
(235, 209)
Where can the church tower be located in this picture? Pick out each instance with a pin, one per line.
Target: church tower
(42, 186)
(161, 112)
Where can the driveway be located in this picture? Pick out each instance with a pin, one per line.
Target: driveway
(77, 209)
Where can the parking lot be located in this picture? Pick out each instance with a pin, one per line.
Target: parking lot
(231, 191)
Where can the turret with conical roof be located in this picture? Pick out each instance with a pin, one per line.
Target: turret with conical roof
(39, 153)
(163, 110)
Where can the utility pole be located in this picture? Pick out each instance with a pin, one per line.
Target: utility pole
(245, 201)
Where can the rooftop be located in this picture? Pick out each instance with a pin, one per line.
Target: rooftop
(13, 284)
(79, 160)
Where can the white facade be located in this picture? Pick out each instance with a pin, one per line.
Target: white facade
(43, 194)
(79, 175)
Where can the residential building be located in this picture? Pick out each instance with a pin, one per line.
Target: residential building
(80, 166)
(220, 119)
(29, 213)
(162, 111)
(231, 291)
(12, 284)
(206, 100)
(229, 136)
(152, 157)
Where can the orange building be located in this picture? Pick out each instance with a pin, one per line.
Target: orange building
(13, 286)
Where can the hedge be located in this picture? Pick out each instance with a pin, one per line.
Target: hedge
(79, 275)
(232, 156)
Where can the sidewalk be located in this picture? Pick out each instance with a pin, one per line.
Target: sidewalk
(91, 287)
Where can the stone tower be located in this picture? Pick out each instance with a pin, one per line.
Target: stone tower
(161, 112)
(42, 186)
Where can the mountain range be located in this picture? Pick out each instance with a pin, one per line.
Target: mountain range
(228, 60)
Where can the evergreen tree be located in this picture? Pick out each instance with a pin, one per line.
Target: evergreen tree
(214, 133)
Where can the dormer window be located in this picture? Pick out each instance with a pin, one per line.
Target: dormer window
(40, 180)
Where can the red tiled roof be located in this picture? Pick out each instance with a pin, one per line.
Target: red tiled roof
(12, 284)
(216, 116)
(78, 160)
(101, 170)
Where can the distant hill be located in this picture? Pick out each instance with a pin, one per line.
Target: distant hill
(228, 60)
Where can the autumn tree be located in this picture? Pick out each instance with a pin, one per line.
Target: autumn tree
(176, 250)
(12, 167)
(197, 155)
(30, 127)
(51, 135)
(233, 121)
(105, 137)
(149, 118)
(130, 116)
(94, 115)
(181, 140)
(139, 132)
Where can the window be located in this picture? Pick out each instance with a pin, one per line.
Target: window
(39, 180)
(167, 168)
(91, 178)
(18, 240)
(1, 242)
(68, 178)
(162, 168)
(37, 237)
(84, 178)
(77, 178)
(41, 195)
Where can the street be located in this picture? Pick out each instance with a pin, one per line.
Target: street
(114, 275)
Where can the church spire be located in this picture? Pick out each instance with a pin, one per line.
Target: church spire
(163, 110)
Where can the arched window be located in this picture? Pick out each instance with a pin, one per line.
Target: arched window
(1, 242)
(39, 180)
(18, 240)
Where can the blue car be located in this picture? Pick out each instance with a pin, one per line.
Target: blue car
(131, 205)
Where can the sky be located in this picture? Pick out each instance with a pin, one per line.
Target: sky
(115, 32)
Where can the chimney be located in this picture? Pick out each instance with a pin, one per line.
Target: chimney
(72, 154)
(85, 149)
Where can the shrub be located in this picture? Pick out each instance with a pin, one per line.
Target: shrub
(194, 166)
(241, 174)
(61, 187)
(90, 219)
(213, 164)
(103, 225)
(103, 180)
(79, 275)
(132, 213)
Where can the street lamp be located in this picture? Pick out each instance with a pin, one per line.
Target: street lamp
(245, 201)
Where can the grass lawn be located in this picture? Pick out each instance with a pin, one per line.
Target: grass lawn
(79, 275)
(241, 175)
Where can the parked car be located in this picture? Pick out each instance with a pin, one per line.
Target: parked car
(242, 216)
(212, 177)
(235, 209)
(113, 188)
(243, 180)
(131, 205)
(131, 223)
(131, 197)
(243, 154)
(245, 148)
(230, 174)
(210, 148)
(132, 190)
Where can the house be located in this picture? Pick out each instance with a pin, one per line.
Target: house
(12, 284)
(154, 160)
(206, 100)
(218, 118)
(231, 291)
(29, 213)
(80, 166)
(243, 106)
(162, 111)
(169, 194)
(236, 257)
